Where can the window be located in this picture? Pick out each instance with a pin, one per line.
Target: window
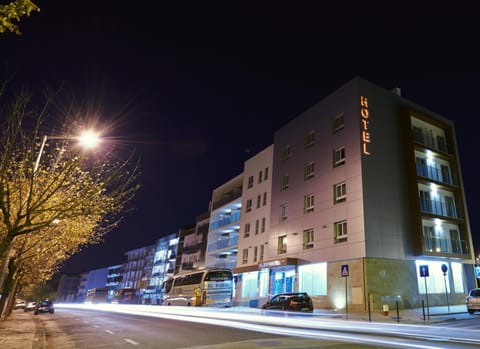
(245, 256)
(262, 251)
(248, 208)
(265, 174)
(263, 225)
(257, 226)
(308, 238)
(308, 203)
(308, 170)
(260, 176)
(338, 123)
(284, 182)
(255, 254)
(250, 181)
(282, 244)
(283, 212)
(309, 139)
(340, 231)
(246, 233)
(264, 199)
(340, 192)
(286, 152)
(259, 200)
(338, 156)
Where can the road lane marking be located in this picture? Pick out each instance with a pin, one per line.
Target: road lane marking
(130, 341)
(108, 331)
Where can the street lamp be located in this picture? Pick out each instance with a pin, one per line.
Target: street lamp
(88, 139)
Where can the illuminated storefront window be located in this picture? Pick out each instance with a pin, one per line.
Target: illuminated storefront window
(312, 278)
(249, 284)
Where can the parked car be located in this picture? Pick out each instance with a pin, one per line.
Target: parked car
(292, 301)
(30, 306)
(473, 300)
(45, 306)
(19, 304)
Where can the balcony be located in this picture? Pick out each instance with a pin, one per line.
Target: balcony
(225, 220)
(445, 246)
(426, 139)
(234, 194)
(440, 208)
(222, 244)
(436, 174)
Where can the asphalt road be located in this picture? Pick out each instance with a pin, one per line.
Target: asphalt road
(83, 328)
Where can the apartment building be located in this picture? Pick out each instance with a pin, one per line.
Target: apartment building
(193, 245)
(225, 210)
(367, 205)
(254, 227)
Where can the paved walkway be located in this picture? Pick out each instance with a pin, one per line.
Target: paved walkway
(23, 330)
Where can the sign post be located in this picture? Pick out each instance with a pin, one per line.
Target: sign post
(444, 270)
(424, 273)
(345, 274)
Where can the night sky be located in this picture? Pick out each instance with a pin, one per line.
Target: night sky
(197, 90)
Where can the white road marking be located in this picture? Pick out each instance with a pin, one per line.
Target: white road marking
(130, 341)
(108, 331)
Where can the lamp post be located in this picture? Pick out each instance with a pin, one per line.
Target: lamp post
(87, 139)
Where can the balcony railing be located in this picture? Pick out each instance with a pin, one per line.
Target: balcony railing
(223, 244)
(226, 264)
(440, 208)
(225, 220)
(436, 174)
(235, 194)
(446, 246)
(426, 139)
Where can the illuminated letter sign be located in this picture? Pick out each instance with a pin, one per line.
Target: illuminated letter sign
(365, 119)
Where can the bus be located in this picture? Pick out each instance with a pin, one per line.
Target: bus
(125, 296)
(207, 287)
(96, 295)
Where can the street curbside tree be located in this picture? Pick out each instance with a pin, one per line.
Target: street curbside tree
(55, 197)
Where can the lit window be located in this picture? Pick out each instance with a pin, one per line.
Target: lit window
(340, 192)
(308, 238)
(283, 212)
(246, 233)
(282, 244)
(308, 203)
(248, 207)
(284, 182)
(309, 139)
(286, 152)
(338, 123)
(340, 231)
(309, 170)
(339, 156)
(245, 256)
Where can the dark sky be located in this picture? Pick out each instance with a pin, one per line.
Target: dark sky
(194, 88)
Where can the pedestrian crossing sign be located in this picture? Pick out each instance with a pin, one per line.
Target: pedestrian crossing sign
(345, 272)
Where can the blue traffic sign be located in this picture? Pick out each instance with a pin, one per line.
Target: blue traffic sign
(424, 271)
(345, 272)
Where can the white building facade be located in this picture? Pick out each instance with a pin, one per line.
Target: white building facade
(367, 206)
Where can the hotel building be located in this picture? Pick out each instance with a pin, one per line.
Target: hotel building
(366, 206)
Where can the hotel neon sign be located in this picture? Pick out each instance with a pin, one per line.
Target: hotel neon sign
(365, 118)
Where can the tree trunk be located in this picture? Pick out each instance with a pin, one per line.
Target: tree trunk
(7, 287)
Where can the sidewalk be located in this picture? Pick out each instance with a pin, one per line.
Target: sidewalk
(20, 331)
(24, 330)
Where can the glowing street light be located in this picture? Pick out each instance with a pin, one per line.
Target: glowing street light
(88, 139)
